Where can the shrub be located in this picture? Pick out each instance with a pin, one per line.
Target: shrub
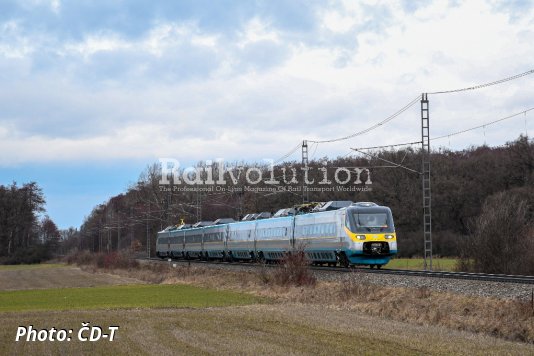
(294, 270)
(83, 257)
(32, 254)
(102, 260)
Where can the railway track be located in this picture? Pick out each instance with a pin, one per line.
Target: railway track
(503, 278)
(459, 275)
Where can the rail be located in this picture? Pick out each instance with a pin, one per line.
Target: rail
(503, 278)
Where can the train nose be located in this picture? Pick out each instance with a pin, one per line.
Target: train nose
(376, 248)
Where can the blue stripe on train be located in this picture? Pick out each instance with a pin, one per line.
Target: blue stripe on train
(357, 257)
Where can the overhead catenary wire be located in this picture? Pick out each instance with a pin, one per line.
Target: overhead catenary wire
(403, 109)
(288, 154)
(396, 165)
(483, 125)
(485, 84)
(387, 146)
(386, 120)
(314, 150)
(377, 125)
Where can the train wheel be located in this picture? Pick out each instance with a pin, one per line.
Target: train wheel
(378, 266)
(343, 260)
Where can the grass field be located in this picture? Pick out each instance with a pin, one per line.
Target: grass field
(48, 276)
(257, 329)
(26, 267)
(113, 297)
(184, 319)
(438, 264)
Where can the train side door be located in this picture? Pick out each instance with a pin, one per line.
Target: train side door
(202, 240)
(225, 239)
(253, 237)
(341, 226)
(292, 236)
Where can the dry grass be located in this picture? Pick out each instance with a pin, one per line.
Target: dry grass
(284, 329)
(508, 319)
(328, 318)
(56, 277)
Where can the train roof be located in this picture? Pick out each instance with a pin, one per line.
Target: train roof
(304, 209)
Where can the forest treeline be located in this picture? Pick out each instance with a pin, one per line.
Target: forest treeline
(25, 236)
(462, 181)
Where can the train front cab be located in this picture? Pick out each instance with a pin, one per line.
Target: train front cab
(371, 235)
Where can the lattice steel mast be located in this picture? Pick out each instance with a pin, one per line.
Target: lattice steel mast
(427, 193)
(305, 193)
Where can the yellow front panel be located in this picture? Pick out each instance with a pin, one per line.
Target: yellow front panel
(371, 236)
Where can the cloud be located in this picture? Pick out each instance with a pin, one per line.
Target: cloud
(103, 81)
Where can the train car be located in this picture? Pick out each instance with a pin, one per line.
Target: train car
(240, 240)
(320, 235)
(213, 241)
(169, 242)
(370, 235)
(359, 234)
(176, 243)
(273, 237)
(193, 246)
(162, 246)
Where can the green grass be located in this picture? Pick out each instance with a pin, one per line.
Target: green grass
(35, 266)
(116, 297)
(438, 264)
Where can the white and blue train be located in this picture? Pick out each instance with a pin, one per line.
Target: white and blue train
(359, 234)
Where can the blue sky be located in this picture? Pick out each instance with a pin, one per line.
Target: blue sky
(93, 91)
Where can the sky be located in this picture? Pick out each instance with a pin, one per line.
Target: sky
(91, 92)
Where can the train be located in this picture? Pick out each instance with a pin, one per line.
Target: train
(342, 234)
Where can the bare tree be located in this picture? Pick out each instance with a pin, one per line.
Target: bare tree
(503, 240)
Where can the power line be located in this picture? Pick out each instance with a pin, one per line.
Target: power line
(389, 118)
(486, 84)
(314, 150)
(396, 165)
(483, 125)
(387, 146)
(288, 154)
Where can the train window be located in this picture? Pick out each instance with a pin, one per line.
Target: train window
(374, 220)
(317, 230)
(271, 233)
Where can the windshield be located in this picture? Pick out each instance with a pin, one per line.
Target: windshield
(370, 221)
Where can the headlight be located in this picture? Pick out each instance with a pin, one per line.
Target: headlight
(361, 237)
(389, 237)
